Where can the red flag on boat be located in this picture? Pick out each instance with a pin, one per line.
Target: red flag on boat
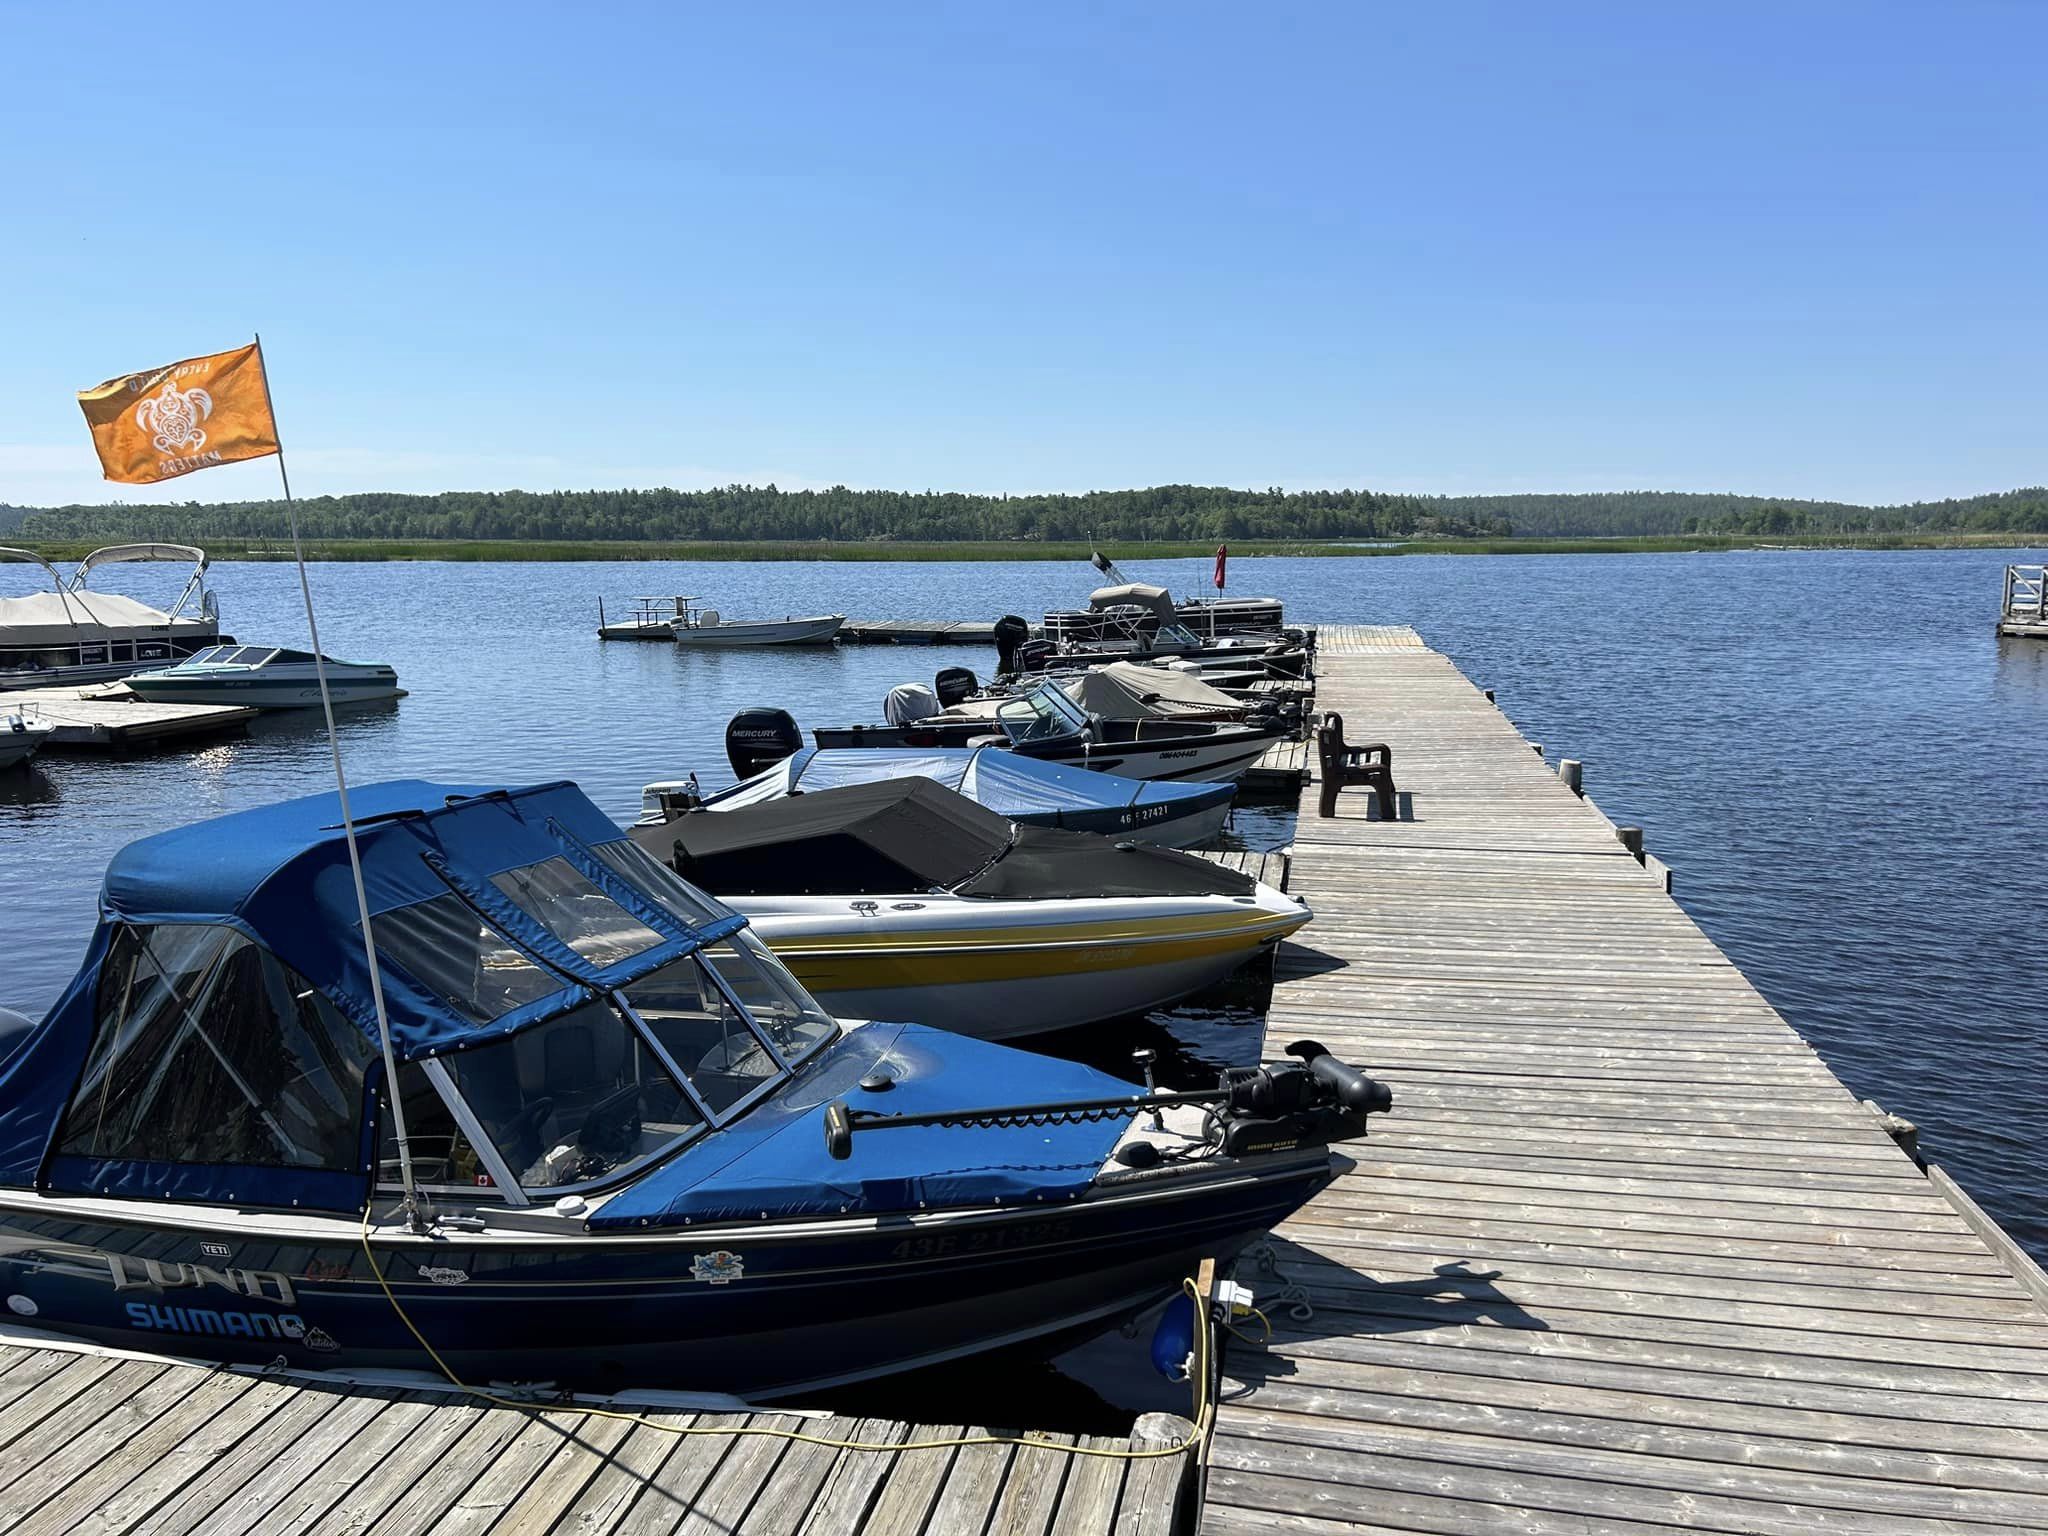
(1222, 554)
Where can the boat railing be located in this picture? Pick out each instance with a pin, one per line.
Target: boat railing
(2026, 592)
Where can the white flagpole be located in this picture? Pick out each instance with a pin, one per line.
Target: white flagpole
(413, 1216)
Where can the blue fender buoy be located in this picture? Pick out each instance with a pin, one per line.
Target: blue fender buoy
(1173, 1341)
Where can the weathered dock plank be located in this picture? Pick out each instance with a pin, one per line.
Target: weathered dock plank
(1627, 1256)
(111, 1443)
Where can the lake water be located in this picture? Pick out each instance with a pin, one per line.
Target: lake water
(1846, 768)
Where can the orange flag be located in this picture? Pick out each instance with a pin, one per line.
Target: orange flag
(191, 415)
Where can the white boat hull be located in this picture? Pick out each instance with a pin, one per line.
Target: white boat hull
(822, 630)
(255, 693)
(1003, 970)
(17, 747)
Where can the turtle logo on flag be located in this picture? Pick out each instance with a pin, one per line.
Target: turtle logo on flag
(173, 418)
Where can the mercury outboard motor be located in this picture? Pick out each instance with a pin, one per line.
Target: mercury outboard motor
(760, 738)
(1011, 632)
(955, 685)
(1034, 656)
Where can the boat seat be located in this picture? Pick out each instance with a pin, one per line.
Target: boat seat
(1370, 764)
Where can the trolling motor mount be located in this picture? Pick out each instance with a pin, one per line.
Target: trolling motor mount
(1309, 1102)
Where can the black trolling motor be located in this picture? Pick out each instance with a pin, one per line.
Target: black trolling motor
(1309, 1102)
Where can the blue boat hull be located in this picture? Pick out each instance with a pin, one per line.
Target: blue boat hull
(795, 1305)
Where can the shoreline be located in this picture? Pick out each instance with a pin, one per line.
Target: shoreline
(509, 551)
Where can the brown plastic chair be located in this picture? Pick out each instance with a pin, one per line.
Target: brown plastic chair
(1371, 764)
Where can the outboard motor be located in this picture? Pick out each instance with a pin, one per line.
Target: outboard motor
(760, 738)
(908, 703)
(955, 685)
(1011, 632)
(1033, 655)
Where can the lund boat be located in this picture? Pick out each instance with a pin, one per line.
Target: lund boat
(1023, 789)
(648, 1156)
(1043, 722)
(21, 737)
(263, 677)
(903, 900)
(71, 634)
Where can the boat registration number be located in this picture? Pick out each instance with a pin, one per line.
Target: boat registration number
(943, 1245)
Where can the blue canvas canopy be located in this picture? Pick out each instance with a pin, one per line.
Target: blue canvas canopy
(1024, 789)
(279, 876)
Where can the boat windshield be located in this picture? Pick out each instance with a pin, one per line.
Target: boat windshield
(1043, 714)
(578, 1099)
(1177, 635)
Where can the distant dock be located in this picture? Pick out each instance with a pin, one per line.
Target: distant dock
(2024, 609)
(919, 632)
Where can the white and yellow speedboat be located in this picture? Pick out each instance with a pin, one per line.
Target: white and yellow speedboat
(904, 901)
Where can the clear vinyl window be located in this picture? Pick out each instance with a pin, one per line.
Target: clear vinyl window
(555, 895)
(447, 948)
(209, 1049)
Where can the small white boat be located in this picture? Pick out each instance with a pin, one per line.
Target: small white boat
(704, 627)
(675, 619)
(264, 677)
(21, 737)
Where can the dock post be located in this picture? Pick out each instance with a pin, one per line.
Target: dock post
(1573, 772)
(1632, 840)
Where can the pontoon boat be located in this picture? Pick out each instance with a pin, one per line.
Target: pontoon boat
(70, 634)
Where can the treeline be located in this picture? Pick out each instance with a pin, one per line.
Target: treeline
(1167, 512)
(1161, 514)
(1652, 513)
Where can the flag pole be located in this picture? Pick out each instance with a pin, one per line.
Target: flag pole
(414, 1217)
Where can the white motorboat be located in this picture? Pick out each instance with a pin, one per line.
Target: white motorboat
(21, 737)
(903, 900)
(697, 628)
(1044, 722)
(680, 621)
(71, 634)
(264, 677)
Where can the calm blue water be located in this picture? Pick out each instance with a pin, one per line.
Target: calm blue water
(1847, 769)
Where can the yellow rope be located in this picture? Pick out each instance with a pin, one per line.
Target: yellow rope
(1187, 1442)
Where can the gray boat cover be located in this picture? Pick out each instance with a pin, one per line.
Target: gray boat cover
(1125, 691)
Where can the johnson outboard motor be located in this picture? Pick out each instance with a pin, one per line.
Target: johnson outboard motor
(955, 685)
(760, 738)
(908, 703)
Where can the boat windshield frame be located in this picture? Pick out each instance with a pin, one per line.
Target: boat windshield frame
(1018, 715)
(506, 1187)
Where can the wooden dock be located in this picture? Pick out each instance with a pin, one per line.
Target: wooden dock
(920, 631)
(112, 1442)
(1626, 1258)
(2023, 611)
(102, 718)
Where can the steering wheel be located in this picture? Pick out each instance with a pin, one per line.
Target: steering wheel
(721, 1058)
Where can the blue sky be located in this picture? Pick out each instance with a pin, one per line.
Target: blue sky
(1793, 248)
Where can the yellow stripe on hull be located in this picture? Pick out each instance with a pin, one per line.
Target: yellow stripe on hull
(860, 962)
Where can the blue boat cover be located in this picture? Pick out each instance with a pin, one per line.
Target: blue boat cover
(280, 874)
(772, 1162)
(1025, 789)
